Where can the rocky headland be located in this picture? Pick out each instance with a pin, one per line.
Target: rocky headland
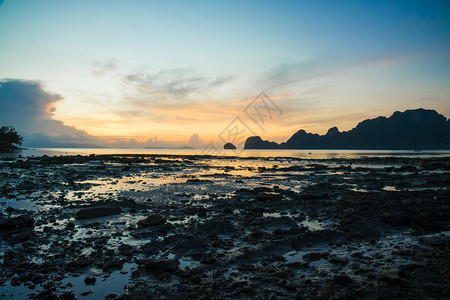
(417, 129)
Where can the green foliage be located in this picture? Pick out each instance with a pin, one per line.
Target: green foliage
(10, 135)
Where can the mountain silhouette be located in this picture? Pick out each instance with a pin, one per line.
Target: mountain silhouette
(409, 130)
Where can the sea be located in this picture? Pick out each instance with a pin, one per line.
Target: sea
(245, 153)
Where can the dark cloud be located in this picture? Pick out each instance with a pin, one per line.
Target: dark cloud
(28, 107)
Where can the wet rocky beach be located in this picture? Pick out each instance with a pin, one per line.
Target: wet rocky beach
(203, 227)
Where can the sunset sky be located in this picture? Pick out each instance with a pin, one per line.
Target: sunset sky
(174, 73)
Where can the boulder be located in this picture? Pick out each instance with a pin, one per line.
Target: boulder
(97, 211)
(90, 280)
(158, 265)
(18, 222)
(152, 220)
(314, 256)
(218, 226)
(392, 276)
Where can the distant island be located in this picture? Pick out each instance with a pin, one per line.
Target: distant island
(417, 129)
(229, 146)
(160, 147)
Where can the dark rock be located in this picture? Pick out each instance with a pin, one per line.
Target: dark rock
(257, 234)
(196, 180)
(125, 248)
(22, 265)
(83, 261)
(208, 259)
(153, 220)
(397, 219)
(112, 296)
(280, 223)
(97, 211)
(314, 256)
(37, 278)
(68, 295)
(90, 280)
(21, 236)
(112, 264)
(342, 279)
(361, 292)
(338, 260)
(46, 295)
(434, 241)
(294, 265)
(272, 250)
(393, 276)
(181, 245)
(309, 238)
(261, 196)
(87, 292)
(18, 222)
(354, 228)
(218, 227)
(155, 265)
(136, 273)
(229, 146)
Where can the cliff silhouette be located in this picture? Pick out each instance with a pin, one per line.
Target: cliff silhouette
(417, 129)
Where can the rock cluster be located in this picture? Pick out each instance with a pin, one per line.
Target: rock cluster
(365, 228)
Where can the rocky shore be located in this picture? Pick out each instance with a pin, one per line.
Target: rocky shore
(183, 227)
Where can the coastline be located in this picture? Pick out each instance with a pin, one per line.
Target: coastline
(243, 153)
(188, 226)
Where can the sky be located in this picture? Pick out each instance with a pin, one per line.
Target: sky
(190, 73)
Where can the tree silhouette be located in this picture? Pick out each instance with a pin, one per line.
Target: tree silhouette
(9, 135)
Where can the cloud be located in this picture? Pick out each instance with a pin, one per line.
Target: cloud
(195, 141)
(172, 96)
(28, 107)
(175, 83)
(293, 73)
(133, 143)
(103, 68)
(175, 96)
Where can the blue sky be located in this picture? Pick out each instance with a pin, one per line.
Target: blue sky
(130, 71)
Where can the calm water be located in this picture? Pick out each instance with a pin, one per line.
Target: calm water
(318, 154)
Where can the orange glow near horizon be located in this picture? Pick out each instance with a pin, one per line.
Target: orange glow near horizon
(176, 125)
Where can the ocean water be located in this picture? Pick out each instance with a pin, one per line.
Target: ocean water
(312, 154)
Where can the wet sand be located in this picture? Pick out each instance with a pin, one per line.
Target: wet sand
(152, 226)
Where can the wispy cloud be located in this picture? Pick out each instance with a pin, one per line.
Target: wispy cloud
(175, 83)
(169, 96)
(281, 75)
(148, 103)
(103, 68)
